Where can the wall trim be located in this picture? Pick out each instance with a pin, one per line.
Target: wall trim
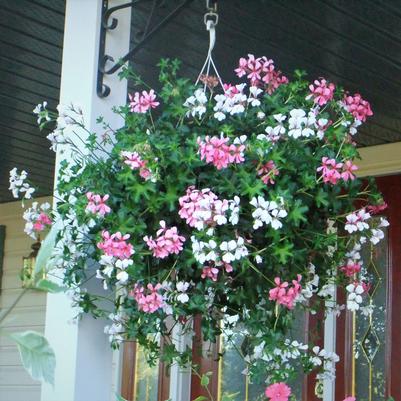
(380, 160)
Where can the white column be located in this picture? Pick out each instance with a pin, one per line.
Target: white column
(330, 328)
(180, 377)
(83, 354)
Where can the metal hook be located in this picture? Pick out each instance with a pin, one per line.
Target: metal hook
(210, 16)
(211, 5)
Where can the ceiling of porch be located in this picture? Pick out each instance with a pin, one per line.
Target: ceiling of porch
(356, 44)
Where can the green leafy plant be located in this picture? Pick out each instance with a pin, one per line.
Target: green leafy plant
(231, 203)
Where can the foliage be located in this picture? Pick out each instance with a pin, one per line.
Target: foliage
(36, 355)
(236, 205)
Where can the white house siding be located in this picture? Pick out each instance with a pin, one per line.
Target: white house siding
(15, 383)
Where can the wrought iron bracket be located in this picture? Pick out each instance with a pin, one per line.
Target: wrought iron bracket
(108, 23)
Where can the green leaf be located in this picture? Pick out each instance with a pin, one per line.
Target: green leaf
(49, 286)
(119, 398)
(46, 250)
(36, 355)
(201, 398)
(298, 213)
(204, 380)
(283, 252)
(229, 397)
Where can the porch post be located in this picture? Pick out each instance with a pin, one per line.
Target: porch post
(83, 355)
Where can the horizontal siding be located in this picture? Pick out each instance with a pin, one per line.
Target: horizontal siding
(19, 393)
(29, 314)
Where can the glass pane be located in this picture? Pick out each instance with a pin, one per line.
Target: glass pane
(369, 380)
(232, 380)
(146, 378)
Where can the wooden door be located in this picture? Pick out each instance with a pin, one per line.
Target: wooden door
(375, 373)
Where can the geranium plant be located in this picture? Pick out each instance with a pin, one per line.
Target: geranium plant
(239, 204)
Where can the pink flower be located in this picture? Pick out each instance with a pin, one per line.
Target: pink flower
(134, 160)
(216, 151)
(285, 295)
(202, 208)
(350, 399)
(116, 245)
(211, 272)
(167, 241)
(97, 204)
(148, 300)
(351, 268)
(267, 172)
(278, 392)
(41, 222)
(358, 107)
(261, 72)
(348, 170)
(330, 170)
(141, 103)
(321, 92)
(376, 209)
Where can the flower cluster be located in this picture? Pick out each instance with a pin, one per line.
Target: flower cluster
(142, 102)
(196, 104)
(218, 152)
(135, 162)
(267, 172)
(284, 294)
(149, 299)
(97, 204)
(267, 212)
(37, 219)
(226, 252)
(321, 92)
(18, 185)
(333, 171)
(110, 266)
(116, 245)
(203, 208)
(358, 107)
(261, 72)
(167, 241)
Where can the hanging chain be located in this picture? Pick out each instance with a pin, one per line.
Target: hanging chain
(211, 19)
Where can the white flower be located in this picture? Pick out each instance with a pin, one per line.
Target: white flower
(267, 212)
(357, 221)
(182, 286)
(57, 137)
(231, 102)
(240, 140)
(354, 253)
(183, 298)
(116, 329)
(383, 222)
(377, 236)
(42, 113)
(122, 277)
(354, 298)
(258, 259)
(234, 208)
(18, 184)
(123, 264)
(353, 129)
(260, 115)
(233, 250)
(295, 123)
(254, 92)
(196, 104)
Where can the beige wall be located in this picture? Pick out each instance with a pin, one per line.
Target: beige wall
(15, 383)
